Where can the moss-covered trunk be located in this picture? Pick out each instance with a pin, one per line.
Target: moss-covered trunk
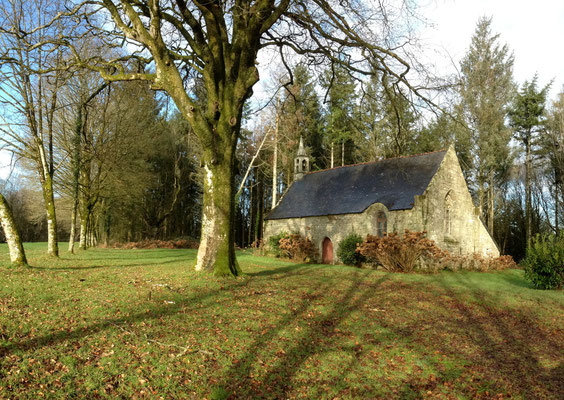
(17, 253)
(217, 244)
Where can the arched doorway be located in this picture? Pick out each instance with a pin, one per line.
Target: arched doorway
(327, 255)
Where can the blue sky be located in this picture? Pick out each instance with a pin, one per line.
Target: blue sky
(533, 30)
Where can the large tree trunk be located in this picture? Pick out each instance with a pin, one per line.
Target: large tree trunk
(17, 253)
(217, 251)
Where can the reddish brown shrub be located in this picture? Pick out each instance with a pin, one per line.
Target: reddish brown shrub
(159, 244)
(476, 262)
(298, 248)
(413, 250)
(397, 253)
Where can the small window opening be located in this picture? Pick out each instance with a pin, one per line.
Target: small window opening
(448, 223)
(381, 224)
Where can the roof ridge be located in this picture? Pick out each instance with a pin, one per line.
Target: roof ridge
(376, 162)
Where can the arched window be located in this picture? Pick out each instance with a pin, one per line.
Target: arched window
(381, 224)
(448, 212)
(304, 164)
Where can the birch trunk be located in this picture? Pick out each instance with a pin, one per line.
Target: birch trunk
(17, 253)
(332, 153)
(73, 227)
(275, 165)
(49, 199)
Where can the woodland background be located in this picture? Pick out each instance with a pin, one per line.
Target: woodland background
(124, 162)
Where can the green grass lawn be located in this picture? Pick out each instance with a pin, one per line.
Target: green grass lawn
(141, 324)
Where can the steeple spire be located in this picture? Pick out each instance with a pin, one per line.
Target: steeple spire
(301, 149)
(301, 162)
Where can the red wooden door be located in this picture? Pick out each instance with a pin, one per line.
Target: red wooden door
(327, 256)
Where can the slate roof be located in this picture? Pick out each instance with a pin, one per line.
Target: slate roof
(351, 189)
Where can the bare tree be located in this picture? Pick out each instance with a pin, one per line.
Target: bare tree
(31, 74)
(219, 42)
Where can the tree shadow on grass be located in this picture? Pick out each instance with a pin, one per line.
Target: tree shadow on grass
(314, 340)
(507, 344)
(88, 267)
(293, 268)
(186, 305)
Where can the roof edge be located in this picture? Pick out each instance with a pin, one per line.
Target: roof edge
(376, 162)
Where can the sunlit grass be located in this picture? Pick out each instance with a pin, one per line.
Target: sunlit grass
(140, 323)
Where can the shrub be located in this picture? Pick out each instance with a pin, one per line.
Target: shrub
(347, 250)
(297, 248)
(274, 243)
(400, 253)
(544, 262)
(476, 262)
(414, 251)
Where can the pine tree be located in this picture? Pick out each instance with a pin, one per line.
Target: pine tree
(339, 118)
(486, 87)
(527, 120)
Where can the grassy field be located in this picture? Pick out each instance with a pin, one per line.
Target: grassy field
(141, 324)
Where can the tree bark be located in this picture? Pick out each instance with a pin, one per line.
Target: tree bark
(260, 208)
(275, 163)
(332, 153)
(528, 205)
(84, 217)
(76, 175)
(481, 196)
(217, 252)
(17, 253)
(491, 203)
(49, 199)
(556, 210)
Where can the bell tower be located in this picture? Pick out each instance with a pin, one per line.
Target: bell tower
(301, 162)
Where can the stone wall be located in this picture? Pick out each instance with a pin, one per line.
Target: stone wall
(445, 210)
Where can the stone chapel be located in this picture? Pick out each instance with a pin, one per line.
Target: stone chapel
(424, 192)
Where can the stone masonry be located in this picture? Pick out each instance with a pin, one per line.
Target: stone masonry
(445, 211)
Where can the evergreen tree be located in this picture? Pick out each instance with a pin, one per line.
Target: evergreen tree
(339, 118)
(528, 120)
(553, 150)
(486, 87)
(300, 116)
